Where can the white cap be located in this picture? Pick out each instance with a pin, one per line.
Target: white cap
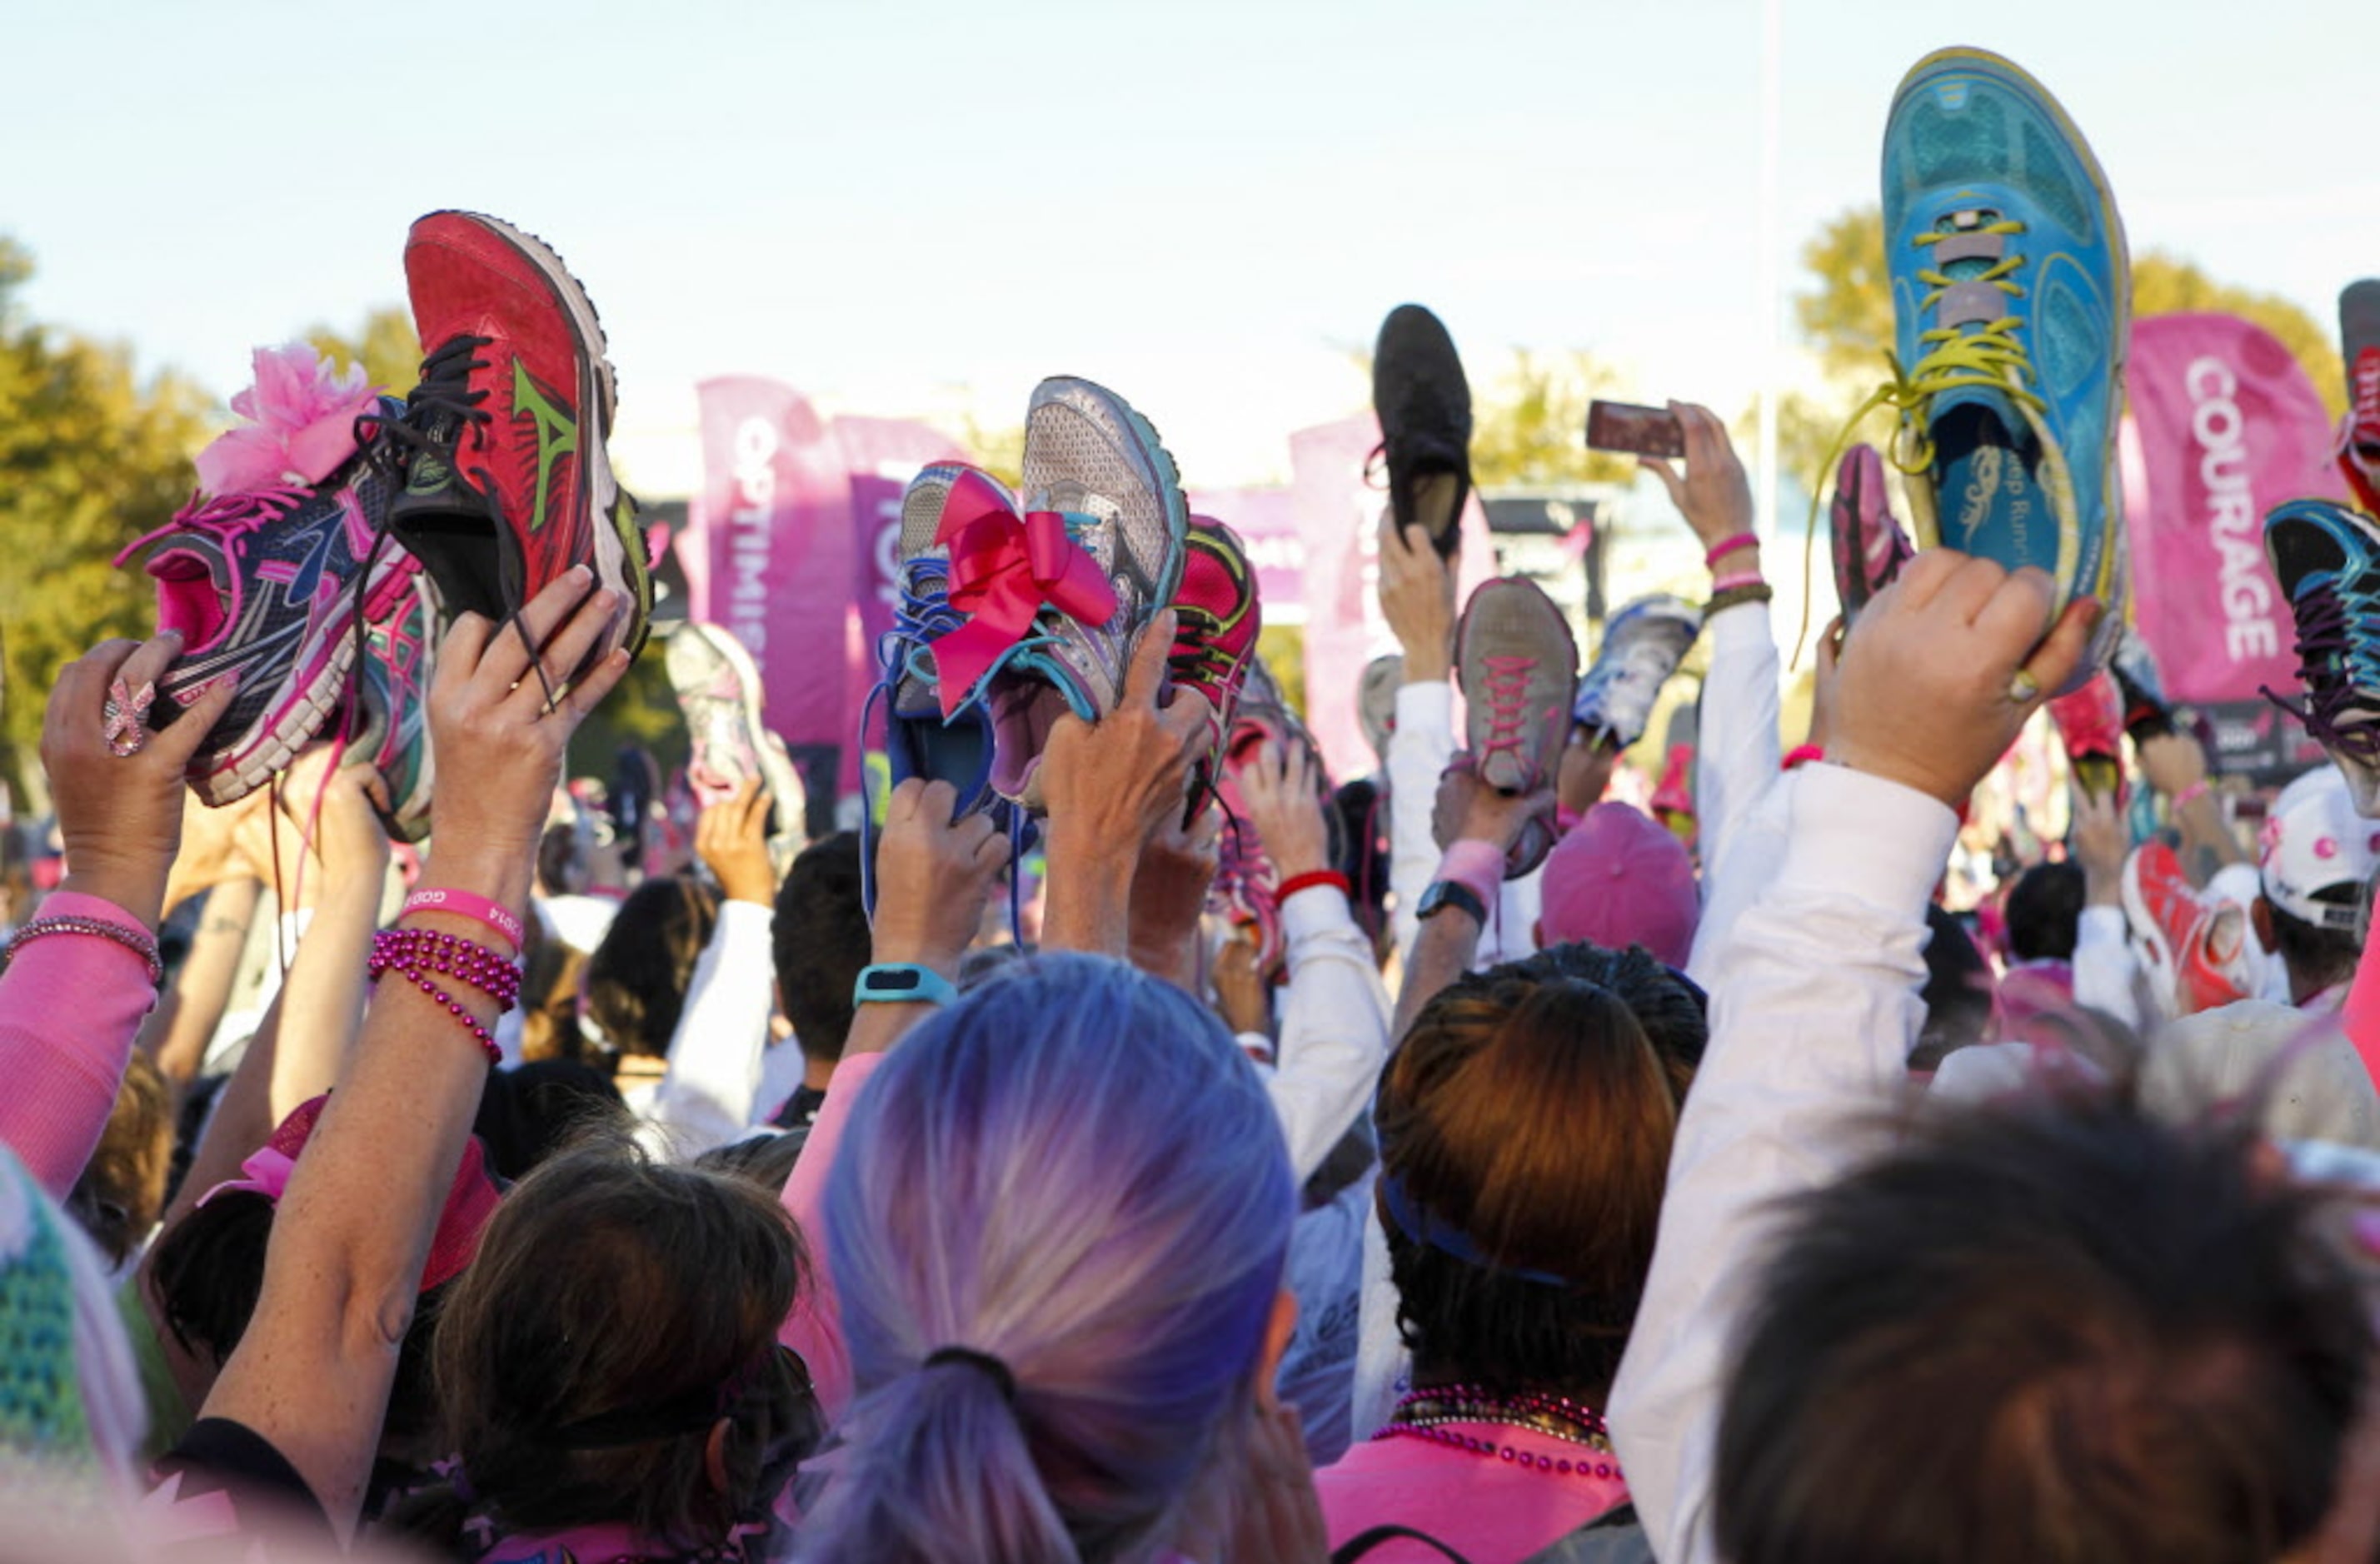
(2314, 842)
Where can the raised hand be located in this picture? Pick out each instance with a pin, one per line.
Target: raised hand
(1469, 810)
(1944, 666)
(1110, 786)
(932, 877)
(1712, 494)
(118, 785)
(732, 838)
(1417, 599)
(1282, 791)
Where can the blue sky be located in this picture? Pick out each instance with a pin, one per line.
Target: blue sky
(924, 207)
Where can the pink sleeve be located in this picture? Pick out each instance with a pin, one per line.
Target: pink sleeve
(815, 1327)
(2360, 1016)
(70, 1005)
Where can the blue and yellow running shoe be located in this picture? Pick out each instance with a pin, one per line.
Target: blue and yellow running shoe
(2011, 290)
(2327, 560)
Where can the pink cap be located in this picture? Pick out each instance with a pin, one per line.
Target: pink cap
(1619, 879)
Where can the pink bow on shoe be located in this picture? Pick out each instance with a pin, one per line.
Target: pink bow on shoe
(1004, 569)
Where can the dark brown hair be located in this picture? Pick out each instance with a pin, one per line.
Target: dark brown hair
(638, 977)
(2044, 1330)
(1531, 1107)
(617, 1310)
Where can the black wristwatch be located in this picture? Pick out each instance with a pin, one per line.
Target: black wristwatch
(1445, 893)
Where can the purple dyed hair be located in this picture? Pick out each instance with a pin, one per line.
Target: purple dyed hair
(1072, 1171)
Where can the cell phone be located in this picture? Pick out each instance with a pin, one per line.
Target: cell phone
(1644, 431)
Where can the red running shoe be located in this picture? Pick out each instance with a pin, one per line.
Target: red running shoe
(2091, 722)
(1869, 545)
(1216, 618)
(507, 484)
(2196, 953)
(2358, 334)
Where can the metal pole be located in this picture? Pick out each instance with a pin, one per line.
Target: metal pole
(1772, 323)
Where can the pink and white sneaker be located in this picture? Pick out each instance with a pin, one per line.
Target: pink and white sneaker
(266, 569)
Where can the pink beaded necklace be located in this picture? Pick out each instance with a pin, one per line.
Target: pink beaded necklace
(1435, 1415)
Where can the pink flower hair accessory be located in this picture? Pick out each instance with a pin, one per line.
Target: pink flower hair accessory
(301, 417)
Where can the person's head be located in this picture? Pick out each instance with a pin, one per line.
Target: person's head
(1616, 879)
(551, 972)
(123, 1186)
(2079, 1334)
(1524, 1127)
(765, 1161)
(2044, 909)
(819, 940)
(1958, 991)
(638, 977)
(532, 1111)
(2318, 856)
(1058, 1227)
(560, 868)
(207, 1270)
(1375, 701)
(611, 1355)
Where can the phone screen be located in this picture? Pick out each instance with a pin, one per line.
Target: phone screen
(1644, 431)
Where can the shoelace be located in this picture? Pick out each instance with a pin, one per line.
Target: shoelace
(1508, 696)
(1989, 356)
(225, 516)
(2323, 647)
(445, 389)
(2359, 430)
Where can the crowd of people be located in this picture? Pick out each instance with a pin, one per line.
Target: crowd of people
(1457, 1163)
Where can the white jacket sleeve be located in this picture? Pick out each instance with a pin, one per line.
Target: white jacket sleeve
(1736, 756)
(1334, 1026)
(2105, 968)
(1418, 751)
(1814, 1010)
(707, 1097)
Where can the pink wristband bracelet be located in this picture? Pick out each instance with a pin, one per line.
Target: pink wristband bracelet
(1727, 546)
(462, 904)
(1802, 757)
(2192, 794)
(1477, 866)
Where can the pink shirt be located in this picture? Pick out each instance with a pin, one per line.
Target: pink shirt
(815, 1327)
(1488, 1509)
(70, 1005)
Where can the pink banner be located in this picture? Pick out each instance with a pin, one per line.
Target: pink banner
(2224, 426)
(881, 455)
(1266, 520)
(1338, 516)
(776, 508)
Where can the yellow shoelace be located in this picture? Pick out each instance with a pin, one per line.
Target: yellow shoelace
(1954, 358)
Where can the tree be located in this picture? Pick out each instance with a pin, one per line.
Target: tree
(1845, 314)
(1531, 428)
(386, 347)
(90, 459)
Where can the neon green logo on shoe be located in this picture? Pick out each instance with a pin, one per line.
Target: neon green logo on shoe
(557, 435)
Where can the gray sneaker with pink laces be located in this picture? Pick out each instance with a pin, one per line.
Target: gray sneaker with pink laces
(1518, 665)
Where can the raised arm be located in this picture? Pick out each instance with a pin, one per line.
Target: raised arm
(83, 972)
(1814, 1004)
(311, 1376)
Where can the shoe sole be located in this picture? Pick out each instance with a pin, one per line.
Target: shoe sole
(2112, 220)
(730, 650)
(611, 567)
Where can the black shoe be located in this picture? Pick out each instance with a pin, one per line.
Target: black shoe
(1425, 410)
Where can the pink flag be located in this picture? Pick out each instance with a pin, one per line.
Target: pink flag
(1338, 515)
(2224, 426)
(776, 508)
(881, 455)
(1266, 520)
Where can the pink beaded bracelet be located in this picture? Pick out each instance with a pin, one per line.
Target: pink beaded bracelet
(463, 904)
(136, 940)
(422, 950)
(471, 1022)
